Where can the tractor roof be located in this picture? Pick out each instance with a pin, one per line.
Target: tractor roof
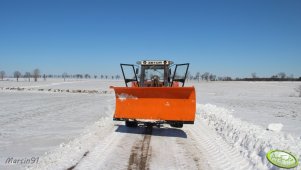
(154, 62)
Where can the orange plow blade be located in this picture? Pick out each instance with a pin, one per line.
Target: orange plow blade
(155, 103)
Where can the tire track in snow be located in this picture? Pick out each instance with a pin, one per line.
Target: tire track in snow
(192, 147)
(140, 152)
(114, 151)
(217, 154)
(72, 167)
(169, 150)
(191, 154)
(98, 153)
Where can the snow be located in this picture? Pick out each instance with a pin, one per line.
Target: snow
(237, 123)
(72, 84)
(276, 127)
(259, 103)
(107, 150)
(124, 96)
(252, 141)
(33, 122)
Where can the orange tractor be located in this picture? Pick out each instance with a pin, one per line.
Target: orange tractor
(155, 96)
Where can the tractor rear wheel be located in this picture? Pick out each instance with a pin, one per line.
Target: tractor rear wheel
(131, 123)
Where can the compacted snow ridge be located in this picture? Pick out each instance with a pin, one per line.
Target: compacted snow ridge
(56, 90)
(69, 154)
(216, 153)
(252, 141)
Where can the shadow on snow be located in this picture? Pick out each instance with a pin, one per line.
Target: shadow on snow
(164, 131)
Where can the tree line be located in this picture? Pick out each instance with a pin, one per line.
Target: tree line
(281, 76)
(83, 76)
(206, 76)
(36, 73)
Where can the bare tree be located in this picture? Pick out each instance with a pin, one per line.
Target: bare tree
(2, 74)
(27, 75)
(282, 75)
(197, 76)
(17, 75)
(44, 77)
(64, 75)
(298, 89)
(227, 78)
(254, 75)
(78, 76)
(36, 74)
(206, 76)
(187, 76)
(191, 77)
(290, 77)
(212, 77)
(87, 76)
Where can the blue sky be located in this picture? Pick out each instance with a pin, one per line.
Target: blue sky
(233, 37)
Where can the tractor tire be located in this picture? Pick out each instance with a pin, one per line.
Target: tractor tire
(176, 124)
(131, 124)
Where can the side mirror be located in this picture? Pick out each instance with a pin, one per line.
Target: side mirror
(137, 71)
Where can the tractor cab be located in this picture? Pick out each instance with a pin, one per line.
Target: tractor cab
(155, 73)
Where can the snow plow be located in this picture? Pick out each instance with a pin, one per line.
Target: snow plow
(158, 97)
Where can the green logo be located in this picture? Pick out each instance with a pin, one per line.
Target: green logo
(282, 159)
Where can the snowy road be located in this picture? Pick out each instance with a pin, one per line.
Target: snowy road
(119, 147)
(216, 141)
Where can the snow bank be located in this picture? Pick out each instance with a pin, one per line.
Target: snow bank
(253, 142)
(69, 154)
(56, 90)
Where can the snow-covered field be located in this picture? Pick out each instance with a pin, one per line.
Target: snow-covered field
(260, 103)
(72, 122)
